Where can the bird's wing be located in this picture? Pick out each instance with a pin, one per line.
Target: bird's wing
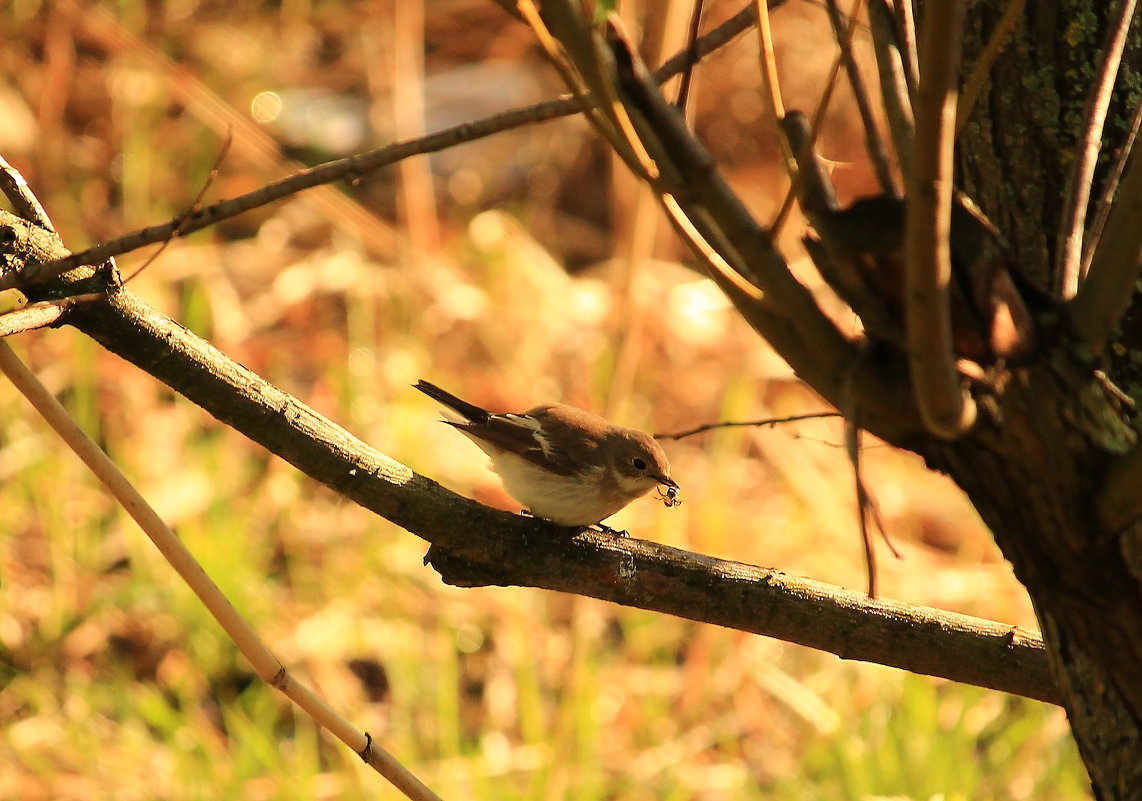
(523, 435)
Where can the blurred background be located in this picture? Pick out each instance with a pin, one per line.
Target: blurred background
(511, 270)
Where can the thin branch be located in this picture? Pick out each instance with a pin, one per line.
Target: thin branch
(504, 548)
(23, 200)
(353, 167)
(1072, 222)
(691, 55)
(265, 664)
(785, 314)
(768, 421)
(180, 222)
(342, 169)
(574, 52)
(1109, 192)
(775, 108)
(872, 139)
(770, 83)
(38, 315)
(894, 91)
(709, 42)
(906, 36)
(793, 152)
(253, 143)
(864, 504)
(948, 410)
(1102, 299)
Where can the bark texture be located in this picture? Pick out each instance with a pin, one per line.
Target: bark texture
(1035, 467)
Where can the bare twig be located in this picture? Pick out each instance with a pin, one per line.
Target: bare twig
(341, 169)
(23, 200)
(794, 156)
(180, 222)
(691, 55)
(1072, 222)
(355, 166)
(906, 35)
(873, 141)
(785, 313)
(775, 108)
(770, 84)
(267, 666)
(894, 91)
(38, 315)
(768, 421)
(253, 144)
(864, 503)
(866, 506)
(709, 42)
(600, 111)
(948, 410)
(1115, 265)
(1109, 192)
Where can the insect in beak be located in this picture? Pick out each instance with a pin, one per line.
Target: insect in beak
(670, 497)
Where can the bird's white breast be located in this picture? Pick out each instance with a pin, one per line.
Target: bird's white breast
(576, 500)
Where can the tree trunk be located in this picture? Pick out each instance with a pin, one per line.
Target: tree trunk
(1034, 470)
(1032, 479)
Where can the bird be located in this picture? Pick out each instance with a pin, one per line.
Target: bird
(564, 464)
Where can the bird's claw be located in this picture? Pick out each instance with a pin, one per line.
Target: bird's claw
(614, 532)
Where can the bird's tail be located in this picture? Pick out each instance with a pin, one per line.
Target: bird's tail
(467, 412)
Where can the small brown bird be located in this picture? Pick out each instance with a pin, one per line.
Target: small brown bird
(563, 464)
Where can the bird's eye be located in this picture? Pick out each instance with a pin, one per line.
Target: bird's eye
(639, 464)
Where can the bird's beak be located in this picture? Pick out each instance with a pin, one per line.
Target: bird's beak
(667, 481)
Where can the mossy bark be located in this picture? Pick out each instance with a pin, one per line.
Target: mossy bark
(1034, 470)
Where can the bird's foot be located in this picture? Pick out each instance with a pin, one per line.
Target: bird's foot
(615, 532)
(605, 529)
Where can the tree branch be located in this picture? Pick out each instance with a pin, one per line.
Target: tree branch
(947, 408)
(874, 144)
(1073, 221)
(847, 623)
(473, 544)
(1104, 296)
(784, 312)
(896, 99)
(353, 166)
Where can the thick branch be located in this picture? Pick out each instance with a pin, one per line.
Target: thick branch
(765, 601)
(784, 312)
(475, 544)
